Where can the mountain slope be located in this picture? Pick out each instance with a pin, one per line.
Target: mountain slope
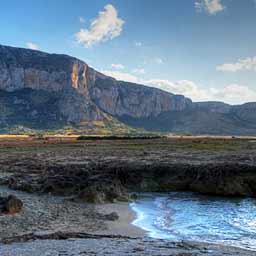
(195, 121)
(49, 91)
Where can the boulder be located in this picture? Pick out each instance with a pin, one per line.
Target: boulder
(10, 205)
(113, 216)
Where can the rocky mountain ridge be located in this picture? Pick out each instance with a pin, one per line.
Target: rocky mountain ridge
(62, 90)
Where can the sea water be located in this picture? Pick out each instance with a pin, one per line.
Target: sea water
(186, 216)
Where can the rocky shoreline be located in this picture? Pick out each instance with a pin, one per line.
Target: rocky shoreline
(66, 228)
(58, 182)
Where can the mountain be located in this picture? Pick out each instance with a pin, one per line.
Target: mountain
(42, 91)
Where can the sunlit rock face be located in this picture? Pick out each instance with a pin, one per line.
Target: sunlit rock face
(126, 99)
(65, 78)
(23, 68)
(36, 86)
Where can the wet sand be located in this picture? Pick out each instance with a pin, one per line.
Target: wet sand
(123, 226)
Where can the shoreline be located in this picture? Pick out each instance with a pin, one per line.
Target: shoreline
(123, 226)
(65, 224)
(116, 238)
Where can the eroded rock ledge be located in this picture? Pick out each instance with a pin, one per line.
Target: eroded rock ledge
(98, 183)
(106, 171)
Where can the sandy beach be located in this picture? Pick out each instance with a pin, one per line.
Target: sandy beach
(123, 226)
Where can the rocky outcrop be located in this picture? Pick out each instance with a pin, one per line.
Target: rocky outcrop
(102, 189)
(23, 68)
(103, 171)
(84, 183)
(126, 99)
(66, 91)
(85, 94)
(10, 205)
(221, 180)
(61, 76)
(111, 182)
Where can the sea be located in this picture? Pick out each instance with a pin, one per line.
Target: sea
(179, 216)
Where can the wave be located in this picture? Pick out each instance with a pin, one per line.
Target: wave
(187, 216)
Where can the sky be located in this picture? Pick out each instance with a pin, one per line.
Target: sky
(203, 49)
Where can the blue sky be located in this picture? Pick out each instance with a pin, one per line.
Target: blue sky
(204, 49)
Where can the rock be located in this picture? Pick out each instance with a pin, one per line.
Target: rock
(113, 216)
(91, 195)
(13, 205)
(104, 190)
(210, 179)
(24, 68)
(120, 98)
(51, 91)
(10, 205)
(80, 93)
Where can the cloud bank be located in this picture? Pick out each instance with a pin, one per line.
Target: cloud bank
(231, 93)
(248, 64)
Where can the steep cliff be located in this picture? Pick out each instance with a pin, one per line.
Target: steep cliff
(120, 98)
(63, 77)
(80, 93)
(47, 91)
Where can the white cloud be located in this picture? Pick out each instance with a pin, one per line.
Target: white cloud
(248, 64)
(81, 19)
(210, 6)
(117, 66)
(139, 71)
(105, 27)
(123, 76)
(32, 46)
(233, 93)
(184, 87)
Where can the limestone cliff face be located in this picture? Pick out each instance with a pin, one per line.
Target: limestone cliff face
(69, 78)
(23, 68)
(126, 99)
(50, 90)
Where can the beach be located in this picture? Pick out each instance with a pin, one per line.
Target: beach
(68, 234)
(123, 226)
(55, 179)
